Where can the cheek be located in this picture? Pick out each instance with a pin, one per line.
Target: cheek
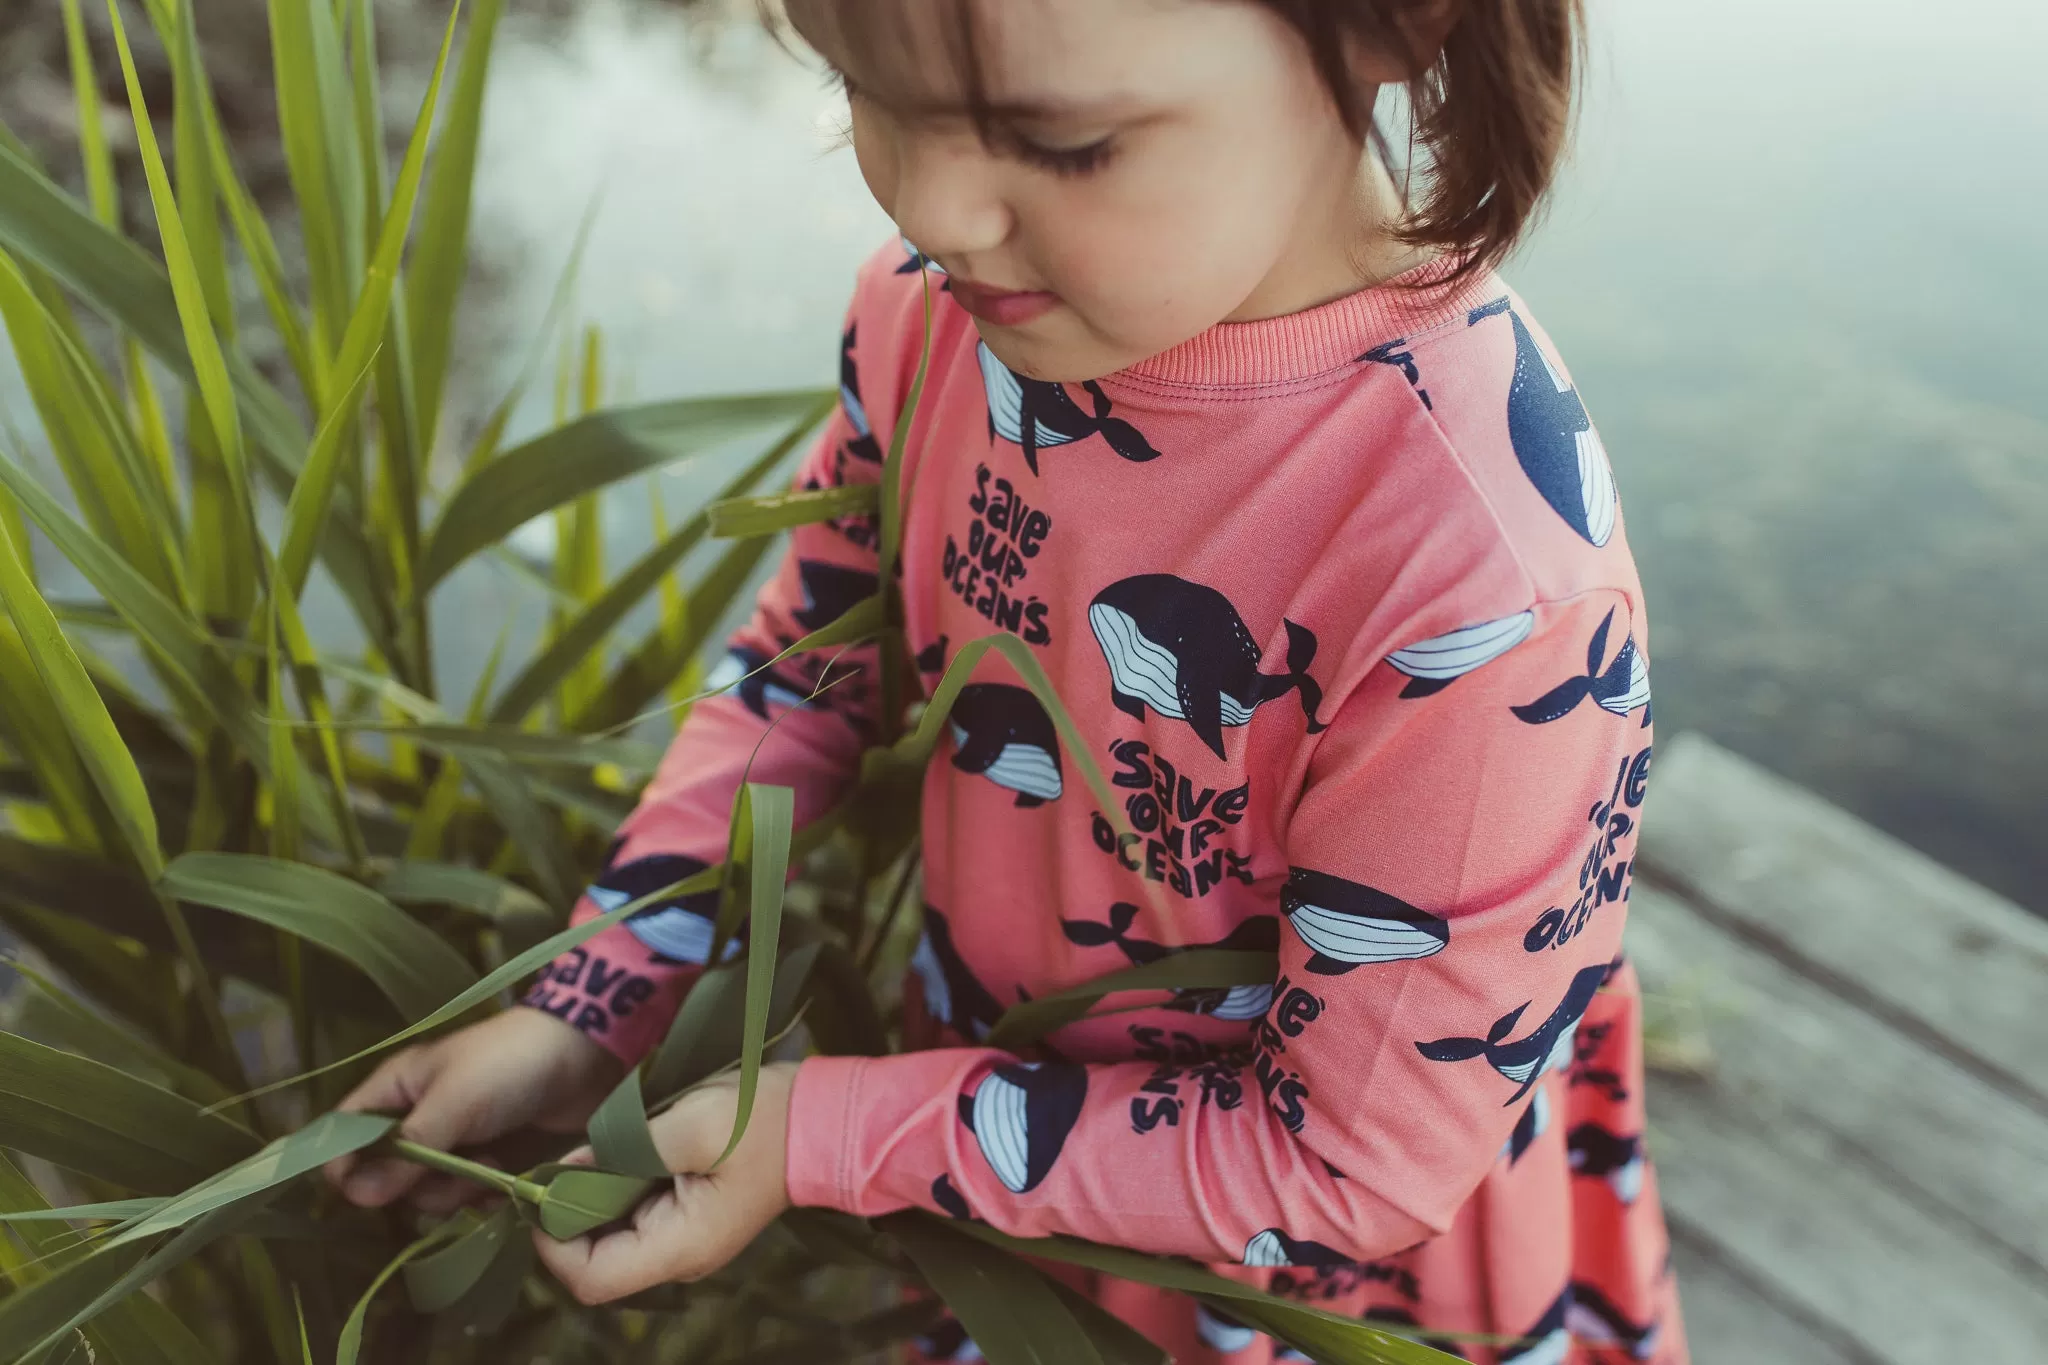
(874, 149)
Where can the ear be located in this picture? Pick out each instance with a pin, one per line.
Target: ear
(1415, 35)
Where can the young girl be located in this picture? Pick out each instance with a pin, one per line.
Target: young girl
(1298, 508)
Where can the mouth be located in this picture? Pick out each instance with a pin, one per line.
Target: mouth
(1003, 307)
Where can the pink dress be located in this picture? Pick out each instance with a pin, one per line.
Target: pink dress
(1342, 604)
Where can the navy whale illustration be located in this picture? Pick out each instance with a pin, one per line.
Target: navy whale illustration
(1525, 1059)
(1533, 1124)
(1182, 649)
(743, 671)
(830, 591)
(948, 1341)
(1220, 1331)
(1556, 442)
(1261, 933)
(1621, 687)
(679, 929)
(1436, 663)
(1273, 1248)
(1036, 415)
(1599, 1154)
(1549, 1342)
(1021, 1115)
(952, 993)
(1348, 925)
(863, 446)
(1003, 733)
(1596, 1320)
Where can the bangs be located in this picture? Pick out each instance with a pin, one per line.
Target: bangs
(920, 57)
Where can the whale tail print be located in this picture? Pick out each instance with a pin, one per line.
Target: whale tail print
(1207, 705)
(1261, 933)
(1125, 439)
(1524, 1060)
(1620, 688)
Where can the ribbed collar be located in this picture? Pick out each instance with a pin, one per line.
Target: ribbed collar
(1319, 340)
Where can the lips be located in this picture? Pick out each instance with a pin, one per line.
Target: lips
(1003, 307)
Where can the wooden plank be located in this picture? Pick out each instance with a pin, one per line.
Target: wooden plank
(1869, 918)
(1728, 1321)
(1936, 1134)
(1791, 1207)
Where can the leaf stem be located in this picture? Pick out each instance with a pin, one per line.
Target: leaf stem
(475, 1171)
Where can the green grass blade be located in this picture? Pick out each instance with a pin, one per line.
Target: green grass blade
(202, 345)
(197, 196)
(1008, 1308)
(771, 813)
(34, 730)
(103, 1123)
(440, 257)
(733, 518)
(437, 1282)
(520, 917)
(312, 692)
(85, 716)
(620, 1139)
(579, 638)
(588, 454)
(284, 754)
(579, 1200)
(312, 497)
(30, 1315)
(413, 966)
(92, 130)
(1192, 969)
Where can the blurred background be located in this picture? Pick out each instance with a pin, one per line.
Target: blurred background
(1795, 265)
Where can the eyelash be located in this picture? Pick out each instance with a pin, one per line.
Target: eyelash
(1062, 161)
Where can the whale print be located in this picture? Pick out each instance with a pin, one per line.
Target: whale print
(1622, 687)
(1347, 925)
(1273, 1248)
(948, 1197)
(1533, 1124)
(932, 658)
(1182, 649)
(1036, 415)
(1556, 442)
(948, 1341)
(917, 260)
(1021, 1115)
(863, 446)
(1003, 733)
(1594, 1319)
(1436, 663)
(744, 673)
(1526, 1059)
(1549, 1342)
(1220, 1331)
(830, 591)
(1258, 934)
(952, 994)
(678, 929)
(1598, 1154)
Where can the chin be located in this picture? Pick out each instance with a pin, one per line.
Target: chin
(1055, 351)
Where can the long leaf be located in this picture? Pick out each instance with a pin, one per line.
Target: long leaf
(580, 636)
(202, 345)
(414, 967)
(517, 913)
(586, 455)
(440, 258)
(439, 1281)
(103, 1123)
(771, 812)
(1190, 969)
(732, 518)
(1007, 1307)
(620, 1139)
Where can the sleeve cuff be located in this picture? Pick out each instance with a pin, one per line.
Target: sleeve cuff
(614, 992)
(823, 1128)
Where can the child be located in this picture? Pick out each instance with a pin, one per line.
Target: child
(1300, 511)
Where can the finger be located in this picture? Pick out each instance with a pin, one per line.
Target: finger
(693, 1133)
(443, 1117)
(444, 1194)
(392, 1086)
(660, 1247)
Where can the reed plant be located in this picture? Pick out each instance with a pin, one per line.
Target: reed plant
(237, 862)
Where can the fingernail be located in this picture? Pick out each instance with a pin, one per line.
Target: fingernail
(364, 1189)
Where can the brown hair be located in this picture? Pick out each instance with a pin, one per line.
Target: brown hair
(1491, 107)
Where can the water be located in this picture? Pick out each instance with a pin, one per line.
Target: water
(1796, 267)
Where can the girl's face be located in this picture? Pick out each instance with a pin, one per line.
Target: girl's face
(1156, 167)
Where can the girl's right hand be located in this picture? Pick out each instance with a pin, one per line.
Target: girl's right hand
(519, 1068)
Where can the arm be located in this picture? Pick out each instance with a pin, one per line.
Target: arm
(624, 986)
(1458, 865)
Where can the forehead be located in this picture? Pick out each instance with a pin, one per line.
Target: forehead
(1008, 56)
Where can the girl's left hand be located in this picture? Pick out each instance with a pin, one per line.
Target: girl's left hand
(703, 1220)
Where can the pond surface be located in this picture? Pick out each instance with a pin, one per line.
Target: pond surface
(1797, 266)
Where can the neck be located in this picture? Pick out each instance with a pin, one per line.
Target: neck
(1344, 245)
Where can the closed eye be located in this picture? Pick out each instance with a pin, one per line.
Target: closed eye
(1074, 161)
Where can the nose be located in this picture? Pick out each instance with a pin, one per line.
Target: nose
(948, 196)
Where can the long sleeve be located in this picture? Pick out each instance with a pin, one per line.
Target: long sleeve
(1459, 854)
(625, 985)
